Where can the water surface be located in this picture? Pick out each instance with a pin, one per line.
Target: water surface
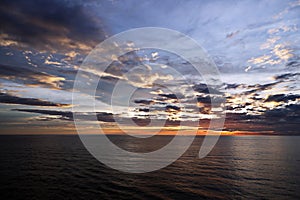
(59, 167)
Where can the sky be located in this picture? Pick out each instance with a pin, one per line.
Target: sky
(254, 44)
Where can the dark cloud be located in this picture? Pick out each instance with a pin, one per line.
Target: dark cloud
(67, 115)
(286, 76)
(141, 121)
(284, 120)
(50, 24)
(203, 88)
(63, 114)
(253, 89)
(204, 103)
(144, 101)
(293, 63)
(242, 117)
(169, 96)
(204, 99)
(144, 109)
(50, 77)
(289, 113)
(282, 98)
(30, 76)
(281, 121)
(146, 121)
(172, 108)
(9, 99)
(232, 86)
(235, 108)
(207, 100)
(105, 117)
(101, 116)
(259, 87)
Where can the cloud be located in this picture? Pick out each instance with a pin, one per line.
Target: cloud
(259, 87)
(9, 99)
(30, 76)
(67, 115)
(286, 76)
(63, 114)
(203, 88)
(101, 116)
(289, 112)
(144, 109)
(172, 108)
(50, 24)
(144, 101)
(232, 85)
(169, 96)
(43, 42)
(282, 98)
(283, 121)
(293, 64)
(154, 122)
(204, 99)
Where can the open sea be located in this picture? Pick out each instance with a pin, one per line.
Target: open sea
(239, 167)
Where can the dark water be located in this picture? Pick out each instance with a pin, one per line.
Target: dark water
(59, 167)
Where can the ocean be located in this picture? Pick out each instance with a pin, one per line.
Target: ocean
(239, 167)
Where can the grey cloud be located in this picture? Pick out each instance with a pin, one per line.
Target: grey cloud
(259, 87)
(282, 98)
(286, 76)
(50, 24)
(169, 96)
(9, 99)
(289, 113)
(144, 101)
(233, 85)
(293, 64)
(172, 108)
(67, 115)
(63, 114)
(101, 116)
(30, 76)
(203, 88)
(209, 99)
(279, 121)
(146, 121)
(144, 109)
